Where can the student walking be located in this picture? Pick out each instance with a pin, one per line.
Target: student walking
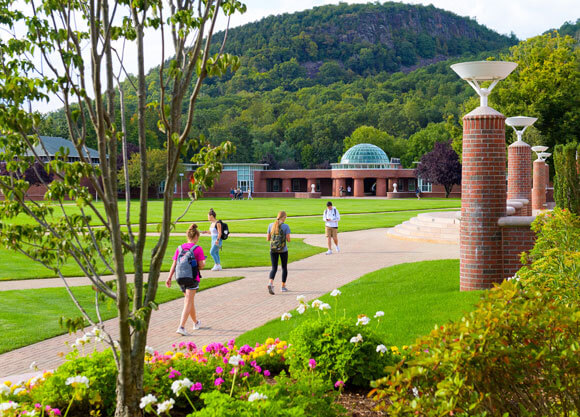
(278, 236)
(331, 218)
(215, 230)
(188, 260)
(250, 194)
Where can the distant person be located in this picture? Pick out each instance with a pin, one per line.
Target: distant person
(348, 190)
(189, 286)
(278, 236)
(331, 218)
(418, 194)
(250, 194)
(239, 194)
(287, 190)
(215, 230)
(232, 193)
(341, 190)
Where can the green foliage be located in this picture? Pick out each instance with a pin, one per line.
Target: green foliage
(518, 353)
(303, 395)
(567, 179)
(99, 368)
(372, 135)
(423, 141)
(328, 341)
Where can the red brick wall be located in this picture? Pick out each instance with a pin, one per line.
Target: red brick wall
(483, 199)
(539, 183)
(515, 240)
(520, 174)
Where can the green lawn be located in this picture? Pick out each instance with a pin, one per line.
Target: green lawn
(413, 296)
(314, 225)
(267, 207)
(30, 316)
(237, 252)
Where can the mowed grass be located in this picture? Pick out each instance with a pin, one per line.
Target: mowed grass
(237, 252)
(30, 316)
(261, 207)
(414, 297)
(307, 225)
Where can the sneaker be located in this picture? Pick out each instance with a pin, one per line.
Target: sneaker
(337, 249)
(219, 267)
(329, 252)
(182, 332)
(284, 289)
(197, 325)
(271, 289)
(216, 267)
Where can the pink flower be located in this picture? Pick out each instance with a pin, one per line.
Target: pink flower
(312, 363)
(56, 412)
(246, 374)
(266, 373)
(218, 381)
(173, 373)
(258, 369)
(219, 370)
(196, 387)
(338, 384)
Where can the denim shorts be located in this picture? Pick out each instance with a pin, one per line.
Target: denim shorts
(188, 284)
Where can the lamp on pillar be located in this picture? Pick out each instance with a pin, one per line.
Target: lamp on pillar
(483, 187)
(520, 164)
(540, 178)
(538, 150)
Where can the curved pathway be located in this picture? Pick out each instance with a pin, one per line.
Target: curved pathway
(229, 310)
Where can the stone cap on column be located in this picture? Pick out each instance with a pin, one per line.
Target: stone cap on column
(518, 221)
(519, 143)
(484, 111)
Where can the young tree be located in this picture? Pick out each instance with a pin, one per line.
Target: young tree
(73, 51)
(441, 166)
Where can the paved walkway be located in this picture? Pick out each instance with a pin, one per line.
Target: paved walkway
(229, 310)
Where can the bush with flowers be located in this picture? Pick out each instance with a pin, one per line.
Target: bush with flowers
(346, 350)
(517, 354)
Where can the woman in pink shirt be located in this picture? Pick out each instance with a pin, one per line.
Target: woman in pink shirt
(189, 286)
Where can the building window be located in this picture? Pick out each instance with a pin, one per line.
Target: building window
(273, 185)
(411, 184)
(424, 186)
(296, 185)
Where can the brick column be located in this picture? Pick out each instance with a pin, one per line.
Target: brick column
(309, 182)
(520, 174)
(483, 199)
(381, 187)
(539, 183)
(390, 183)
(286, 184)
(359, 187)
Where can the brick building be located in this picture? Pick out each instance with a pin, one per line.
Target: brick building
(365, 169)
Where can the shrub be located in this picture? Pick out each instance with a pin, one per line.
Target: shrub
(567, 179)
(308, 395)
(518, 353)
(329, 342)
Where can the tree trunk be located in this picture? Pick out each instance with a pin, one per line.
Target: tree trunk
(129, 393)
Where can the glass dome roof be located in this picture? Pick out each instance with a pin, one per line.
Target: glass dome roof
(364, 153)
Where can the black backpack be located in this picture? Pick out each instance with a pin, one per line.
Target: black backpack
(186, 266)
(225, 230)
(278, 241)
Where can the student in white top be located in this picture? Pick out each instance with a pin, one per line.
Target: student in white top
(331, 218)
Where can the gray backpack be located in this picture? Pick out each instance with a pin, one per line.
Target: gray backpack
(186, 266)
(278, 241)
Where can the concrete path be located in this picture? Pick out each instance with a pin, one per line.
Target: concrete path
(229, 310)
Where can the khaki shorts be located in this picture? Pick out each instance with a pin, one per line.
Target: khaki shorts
(332, 232)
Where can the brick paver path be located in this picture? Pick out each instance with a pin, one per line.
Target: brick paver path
(229, 310)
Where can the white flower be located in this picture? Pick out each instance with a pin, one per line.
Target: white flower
(32, 381)
(165, 406)
(271, 349)
(300, 298)
(356, 339)
(81, 380)
(83, 340)
(324, 306)
(148, 399)
(235, 360)
(316, 303)
(96, 332)
(364, 320)
(257, 396)
(116, 344)
(379, 314)
(18, 391)
(335, 293)
(33, 366)
(178, 386)
(30, 413)
(286, 316)
(4, 389)
(8, 406)
(301, 308)
(381, 349)
(415, 392)
(149, 350)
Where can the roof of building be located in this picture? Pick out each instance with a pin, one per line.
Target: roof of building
(52, 144)
(364, 153)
